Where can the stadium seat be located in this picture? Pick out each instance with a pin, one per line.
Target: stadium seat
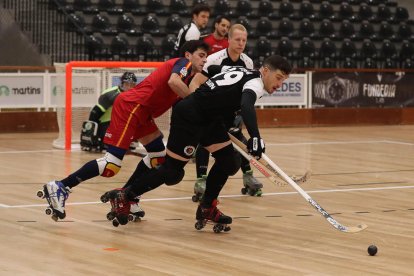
(150, 25)
(366, 30)
(369, 63)
(173, 24)
(180, 7)
(365, 12)
(101, 24)
(286, 9)
(326, 11)
(346, 30)
(401, 14)
(368, 50)
(388, 50)
(306, 62)
(386, 31)
(223, 7)
(306, 10)
(109, 6)
(145, 48)
(120, 48)
(346, 12)
(265, 9)
(264, 28)
(285, 28)
(327, 49)
(85, 6)
(306, 49)
(126, 24)
(262, 49)
(244, 7)
(407, 64)
(389, 63)
(167, 46)
(285, 48)
(349, 63)
(384, 13)
(157, 7)
(246, 23)
(76, 23)
(306, 28)
(348, 49)
(404, 31)
(134, 7)
(406, 50)
(326, 29)
(327, 62)
(95, 47)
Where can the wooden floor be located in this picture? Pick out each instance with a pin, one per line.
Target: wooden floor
(360, 175)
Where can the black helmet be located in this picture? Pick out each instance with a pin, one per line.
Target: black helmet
(128, 77)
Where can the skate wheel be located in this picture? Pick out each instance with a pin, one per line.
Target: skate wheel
(227, 229)
(54, 217)
(122, 219)
(110, 216)
(218, 228)
(132, 217)
(199, 225)
(40, 194)
(259, 193)
(194, 198)
(115, 223)
(243, 191)
(48, 211)
(105, 198)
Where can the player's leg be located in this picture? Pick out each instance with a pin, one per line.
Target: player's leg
(202, 158)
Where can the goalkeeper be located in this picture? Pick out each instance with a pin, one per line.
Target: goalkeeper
(93, 130)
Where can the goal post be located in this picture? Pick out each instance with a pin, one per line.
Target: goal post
(101, 76)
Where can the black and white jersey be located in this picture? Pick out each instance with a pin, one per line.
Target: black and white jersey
(186, 33)
(222, 58)
(220, 96)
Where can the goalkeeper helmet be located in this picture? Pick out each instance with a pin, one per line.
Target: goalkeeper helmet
(128, 77)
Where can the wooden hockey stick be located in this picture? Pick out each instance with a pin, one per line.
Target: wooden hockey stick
(261, 165)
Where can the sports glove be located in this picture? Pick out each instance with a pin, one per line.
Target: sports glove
(256, 147)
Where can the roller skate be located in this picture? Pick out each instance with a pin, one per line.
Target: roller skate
(120, 206)
(199, 188)
(135, 211)
(252, 186)
(56, 195)
(214, 216)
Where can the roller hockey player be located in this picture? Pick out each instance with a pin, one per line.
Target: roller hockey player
(93, 130)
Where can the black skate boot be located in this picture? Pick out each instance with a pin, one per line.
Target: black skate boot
(120, 206)
(252, 186)
(212, 215)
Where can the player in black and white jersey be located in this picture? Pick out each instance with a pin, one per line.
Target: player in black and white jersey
(231, 56)
(199, 119)
(191, 31)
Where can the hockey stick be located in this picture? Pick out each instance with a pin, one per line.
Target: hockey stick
(261, 166)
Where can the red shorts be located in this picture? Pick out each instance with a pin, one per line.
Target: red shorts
(129, 122)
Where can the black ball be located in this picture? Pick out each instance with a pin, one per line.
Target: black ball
(372, 250)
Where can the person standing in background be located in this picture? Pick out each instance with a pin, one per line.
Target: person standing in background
(218, 38)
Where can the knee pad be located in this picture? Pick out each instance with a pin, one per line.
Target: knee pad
(156, 153)
(109, 165)
(173, 171)
(228, 160)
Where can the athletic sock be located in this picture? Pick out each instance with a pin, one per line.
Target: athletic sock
(87, 171)
(215, 181)
(202, 158)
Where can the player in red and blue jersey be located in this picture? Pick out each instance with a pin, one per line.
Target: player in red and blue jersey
(132, 119)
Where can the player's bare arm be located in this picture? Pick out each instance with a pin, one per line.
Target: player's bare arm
(178, 86)
(198, 80)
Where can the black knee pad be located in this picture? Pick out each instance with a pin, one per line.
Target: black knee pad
(173, 171)
(228, 160)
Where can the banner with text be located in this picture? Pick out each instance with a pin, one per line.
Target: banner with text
(362, 89)
(23, 90)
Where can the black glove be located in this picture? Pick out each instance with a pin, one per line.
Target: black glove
(256, 147)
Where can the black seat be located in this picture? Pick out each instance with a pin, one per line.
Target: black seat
(265, 9)
(326, 29)
(407, 64)
(384, 13)
(369, 63)
(346, 12)
(306, 28)
(388, 50)
(389, 63)
(366, 30)
(326, 11)
(244, 7)
(126, 24)
(404, 31)
(327, 49)
(285, 28)
(95, 47)
(285, 48)
(401, 14)
(134, 7)
(386, 31)
(109, 6)
(223, 7)
(286, 9)
(173, 24)
(306, 10)
(327, 62)
(406, 50)
(349, 63)
(348, 49)
(180, 7)
(167, 46)
(346, 30)
(264, 28)
(120, 47)
(76, 23)
(365, 12)
(101, 23)
(246, 23)
(150, 25)
(306, 49)
(262, 50)
(368, 50)
(145, 48)
(156, 6)
(85, 6)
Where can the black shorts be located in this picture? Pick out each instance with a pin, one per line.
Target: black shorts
(189, 128)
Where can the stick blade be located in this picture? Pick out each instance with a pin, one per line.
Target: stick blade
(356, 229)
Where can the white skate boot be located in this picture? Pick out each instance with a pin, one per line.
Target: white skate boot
(56, 195)
(135, 211)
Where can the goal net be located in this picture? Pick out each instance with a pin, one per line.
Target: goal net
(78, 85)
